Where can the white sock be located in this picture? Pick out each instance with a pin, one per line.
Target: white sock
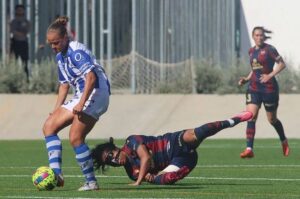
(231, 122)
(249, 148)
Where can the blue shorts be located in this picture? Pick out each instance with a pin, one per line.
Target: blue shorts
(181, 153)
(95, 106)
(270, 100)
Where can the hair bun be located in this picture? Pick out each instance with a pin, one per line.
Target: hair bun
(111, 140)
(63, 20)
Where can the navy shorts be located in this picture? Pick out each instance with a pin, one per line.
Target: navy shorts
(181, 153)
(270, 100)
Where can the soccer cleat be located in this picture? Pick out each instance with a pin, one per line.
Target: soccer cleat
(60, 180)
(247, 153)
(243, 116)
(89, 186)
(285, 148)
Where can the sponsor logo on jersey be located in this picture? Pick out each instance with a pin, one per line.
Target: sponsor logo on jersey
(256, 65)
(77, 57)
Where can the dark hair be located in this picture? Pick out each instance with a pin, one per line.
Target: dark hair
(264, 30)
(59, 25)
(98, 151)
(19, 6)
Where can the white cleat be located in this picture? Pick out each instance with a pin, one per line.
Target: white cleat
(89, 186)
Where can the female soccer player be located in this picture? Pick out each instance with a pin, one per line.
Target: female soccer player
(163, 159)
(78, 68)
(263, 88)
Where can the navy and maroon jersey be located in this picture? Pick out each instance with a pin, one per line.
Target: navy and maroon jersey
(262, 61)
(165, 150)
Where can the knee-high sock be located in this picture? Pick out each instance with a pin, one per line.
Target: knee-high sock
(85, 161)
(250, 133)
(54, 148)
(212, 128)
(279, 129)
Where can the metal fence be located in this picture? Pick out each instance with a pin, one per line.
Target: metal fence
(162, 31)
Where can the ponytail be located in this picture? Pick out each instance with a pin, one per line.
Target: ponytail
(265, 31)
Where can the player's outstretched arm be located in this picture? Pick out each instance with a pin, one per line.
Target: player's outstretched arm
(145, 159)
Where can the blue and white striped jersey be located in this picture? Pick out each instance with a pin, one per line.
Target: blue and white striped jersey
(75, 64)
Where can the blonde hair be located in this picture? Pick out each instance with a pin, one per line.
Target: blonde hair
(60, 25)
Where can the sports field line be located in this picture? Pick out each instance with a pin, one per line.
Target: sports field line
(198, 166)
(189, 177)
(42, 197)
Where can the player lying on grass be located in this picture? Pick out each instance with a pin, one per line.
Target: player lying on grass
(163, 159)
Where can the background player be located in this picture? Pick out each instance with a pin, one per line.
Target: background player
(19, 28)
(76, 67)
(263, 88)
(163, 159)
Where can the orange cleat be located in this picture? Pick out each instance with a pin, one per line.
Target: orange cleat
(285, 148)
(247, 153)
(244, 116)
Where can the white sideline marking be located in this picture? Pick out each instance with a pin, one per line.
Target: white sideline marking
(198, 166)
(250, 166)
(188, 177)
(41, 197)
(244, 179)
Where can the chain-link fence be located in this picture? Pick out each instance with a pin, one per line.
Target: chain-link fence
(147, 46)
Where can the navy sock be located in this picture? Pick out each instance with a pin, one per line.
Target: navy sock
(279, 129)
(250, 133)
(210, 129)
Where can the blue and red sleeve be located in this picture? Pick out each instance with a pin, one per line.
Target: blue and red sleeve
(132, 143)
(273, 53)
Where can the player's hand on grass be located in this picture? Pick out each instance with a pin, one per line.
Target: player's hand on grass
(136, 183)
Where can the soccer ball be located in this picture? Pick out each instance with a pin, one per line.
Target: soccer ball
(44, 178)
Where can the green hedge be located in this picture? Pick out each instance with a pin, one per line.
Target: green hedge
(214, 79)
(209, 79)
(43, 78)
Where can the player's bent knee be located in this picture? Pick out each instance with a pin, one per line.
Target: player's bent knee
(189, 136)
(76, 140)
(172, 177)
(48, 127)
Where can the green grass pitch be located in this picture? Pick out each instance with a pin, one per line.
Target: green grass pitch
(220, 173)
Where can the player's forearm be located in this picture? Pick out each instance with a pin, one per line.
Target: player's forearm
(62, 95)
(249, 76)
(88, 88)
(280, 66)
(144, 168)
